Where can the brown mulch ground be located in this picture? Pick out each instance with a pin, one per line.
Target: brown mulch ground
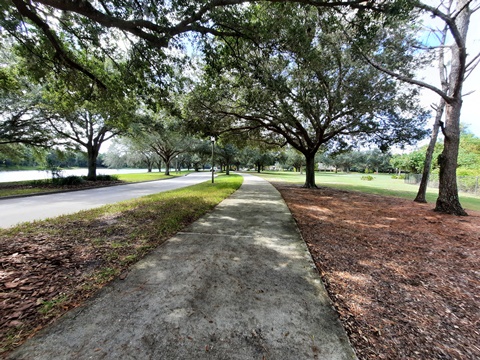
(404, 279)
(46, 274)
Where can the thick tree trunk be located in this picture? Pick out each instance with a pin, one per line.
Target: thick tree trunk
(310, 171)
(227, 169)
(167, 167)
(448, 201)
(149, 163)
(92, 154)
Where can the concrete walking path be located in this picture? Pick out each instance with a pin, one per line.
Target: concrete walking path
(237, 284)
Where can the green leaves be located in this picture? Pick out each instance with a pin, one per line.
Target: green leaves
(297, 73)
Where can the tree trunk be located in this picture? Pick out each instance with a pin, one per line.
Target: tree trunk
(167, 167)
(448, 201)
(422, 190)
(227, 169)
(149, 162)
(92, 154)
(310, 171)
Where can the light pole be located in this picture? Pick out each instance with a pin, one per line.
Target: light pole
(212, 139)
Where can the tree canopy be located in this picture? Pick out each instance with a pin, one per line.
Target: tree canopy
(142, 41)
(295, 78)
(20, 120)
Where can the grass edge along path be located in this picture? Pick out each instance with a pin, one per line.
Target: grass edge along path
(35, 187)
(382, 184)
(52, 266)
(149, 176)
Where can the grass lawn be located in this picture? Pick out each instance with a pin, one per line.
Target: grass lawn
(23, 188)
(382, 184)
(149, 176)
(26, 191)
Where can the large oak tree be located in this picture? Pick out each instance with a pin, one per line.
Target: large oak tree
(81, 115)
(296, 79)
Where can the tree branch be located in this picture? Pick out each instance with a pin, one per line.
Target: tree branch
(472, 65)
(83, 7)
(448, 99)
(60, 52)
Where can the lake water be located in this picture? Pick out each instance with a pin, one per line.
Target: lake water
(24, 175)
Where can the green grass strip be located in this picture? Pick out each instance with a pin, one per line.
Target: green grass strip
(149, 176)
(29, 191)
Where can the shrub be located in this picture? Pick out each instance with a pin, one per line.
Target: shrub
(69, 180)
(401, 177)
(367, 178)
(41, 182)
(107, 177)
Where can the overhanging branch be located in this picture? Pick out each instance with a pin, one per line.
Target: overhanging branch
(60, 52)
(448, 99)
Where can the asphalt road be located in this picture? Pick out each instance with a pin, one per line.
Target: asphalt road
(40, 207)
